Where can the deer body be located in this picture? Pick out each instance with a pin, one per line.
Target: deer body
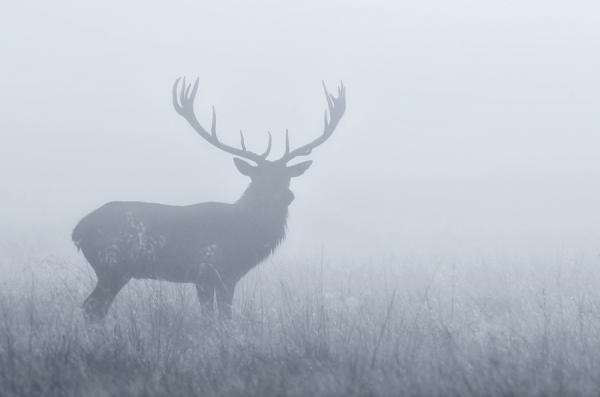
(177, 243)
(212, 245)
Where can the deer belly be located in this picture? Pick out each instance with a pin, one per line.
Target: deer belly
(177, 263)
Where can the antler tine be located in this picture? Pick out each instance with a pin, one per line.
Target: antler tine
(242, 140)
(213, 123)
(287, 142)
(182, 96)
(187, 91)
(183, 102)
(195, 89)
(266, 152)
(328, 97)
(174, 94)
(336, 107)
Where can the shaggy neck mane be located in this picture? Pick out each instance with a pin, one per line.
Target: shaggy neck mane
(269, 218)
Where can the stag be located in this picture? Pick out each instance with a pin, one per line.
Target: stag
(212, 245)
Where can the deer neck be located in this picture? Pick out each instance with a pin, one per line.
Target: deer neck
(264, 223)
(262, 209)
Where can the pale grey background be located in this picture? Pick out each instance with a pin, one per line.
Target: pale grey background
(472, 126)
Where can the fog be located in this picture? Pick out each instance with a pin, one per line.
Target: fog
(471, 126)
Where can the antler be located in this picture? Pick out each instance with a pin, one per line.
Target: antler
(183, 101)
(337, 106)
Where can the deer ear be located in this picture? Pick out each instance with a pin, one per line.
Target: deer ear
(243, 167)
(298, 169)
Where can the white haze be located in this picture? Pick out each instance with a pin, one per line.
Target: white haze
(471, 127)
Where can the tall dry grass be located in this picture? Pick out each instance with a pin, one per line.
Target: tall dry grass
(395, 326)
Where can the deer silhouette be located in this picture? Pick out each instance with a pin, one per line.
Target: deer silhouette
(212, 245)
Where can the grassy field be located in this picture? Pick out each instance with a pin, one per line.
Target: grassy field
(314, 327)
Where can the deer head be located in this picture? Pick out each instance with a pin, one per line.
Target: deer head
(270, 179)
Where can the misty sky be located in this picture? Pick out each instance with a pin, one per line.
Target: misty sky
(471, 125)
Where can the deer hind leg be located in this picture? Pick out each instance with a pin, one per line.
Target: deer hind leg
(107, 287)
(97, 304)
(111, 277)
